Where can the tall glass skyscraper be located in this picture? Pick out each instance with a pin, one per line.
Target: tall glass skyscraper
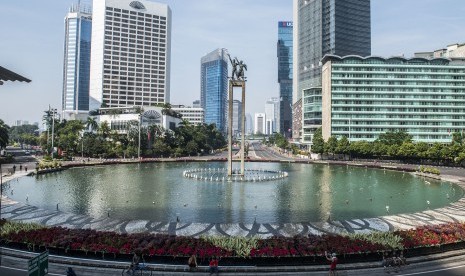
(214, 87)
(285, 76)
(76, 66)
(340, 27)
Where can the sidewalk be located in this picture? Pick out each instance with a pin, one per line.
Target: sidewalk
(84, 267)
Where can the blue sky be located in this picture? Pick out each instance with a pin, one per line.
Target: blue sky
(33, 33)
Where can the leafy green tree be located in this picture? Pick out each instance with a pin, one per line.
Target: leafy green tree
(318, 145)
(435, 152)
(4, 136)
(68, 136)
(395, 137)
(361, 148)
(407, 150)
(379, 149)
(24, 134)
(421, 150)
(331, 145)
(343, 146)
(457, 138)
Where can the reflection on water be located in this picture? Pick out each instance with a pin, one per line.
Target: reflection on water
(159, 192)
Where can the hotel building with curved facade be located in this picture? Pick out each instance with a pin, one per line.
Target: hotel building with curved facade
(321, 27)
(363, 97)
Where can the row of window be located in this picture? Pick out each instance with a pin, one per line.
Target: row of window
(131, 29)
(394, 103)
(132, 46)
(399, 76)
(133, 19)
(415, 69)
(140, 14)
(394, 109)
(116, 103)
(371, 136)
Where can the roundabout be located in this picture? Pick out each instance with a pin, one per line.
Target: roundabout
(178, 213)
(288, 237)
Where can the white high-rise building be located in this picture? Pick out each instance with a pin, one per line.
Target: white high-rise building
(272, 116)
(130, 58)
(260, 119)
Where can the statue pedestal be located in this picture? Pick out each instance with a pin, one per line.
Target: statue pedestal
(236, 83)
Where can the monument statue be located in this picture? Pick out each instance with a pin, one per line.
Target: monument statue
(238, 68)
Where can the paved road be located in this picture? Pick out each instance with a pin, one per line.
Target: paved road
(434, 269)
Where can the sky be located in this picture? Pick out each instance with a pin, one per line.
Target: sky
(32, 37)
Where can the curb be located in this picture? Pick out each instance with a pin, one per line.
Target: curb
(224, 269)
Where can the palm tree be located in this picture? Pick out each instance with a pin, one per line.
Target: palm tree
(91, 124)
(105, 129)
(3, 134)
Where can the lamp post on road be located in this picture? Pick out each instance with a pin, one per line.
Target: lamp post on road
(138, 150)
(54, 110)
(82, 145)
(349, 128)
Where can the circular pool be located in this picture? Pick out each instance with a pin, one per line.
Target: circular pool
(159, 192)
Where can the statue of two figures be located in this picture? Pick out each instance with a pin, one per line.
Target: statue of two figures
(238, 68)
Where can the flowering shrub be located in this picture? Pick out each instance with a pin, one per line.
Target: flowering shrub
(432, 235)
(150, 244)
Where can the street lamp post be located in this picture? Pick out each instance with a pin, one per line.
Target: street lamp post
(53, 129)
(138, 150)
(82, 145)
(349, 129)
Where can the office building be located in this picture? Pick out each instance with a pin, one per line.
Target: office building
(196, 103)
(323, 27)
(453, 51)
(248, 124)
(193, 115)
(285, 71)
(364, 97)
(214, 88)
(76, 62)
(272, 115)
(130, 58)
(259, 124)
(236, 118)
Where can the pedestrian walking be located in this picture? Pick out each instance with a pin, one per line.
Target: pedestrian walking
(332, 266)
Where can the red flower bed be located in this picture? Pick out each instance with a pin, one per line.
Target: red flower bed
(313, 245)
(433, 235)
(150, 244)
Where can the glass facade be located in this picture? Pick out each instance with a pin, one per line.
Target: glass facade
(285, 70)
(214, 88)
(369, 96)
(339, 27)
(76, 67)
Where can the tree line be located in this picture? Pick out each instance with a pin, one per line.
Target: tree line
(90, 139)
(393, 145)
